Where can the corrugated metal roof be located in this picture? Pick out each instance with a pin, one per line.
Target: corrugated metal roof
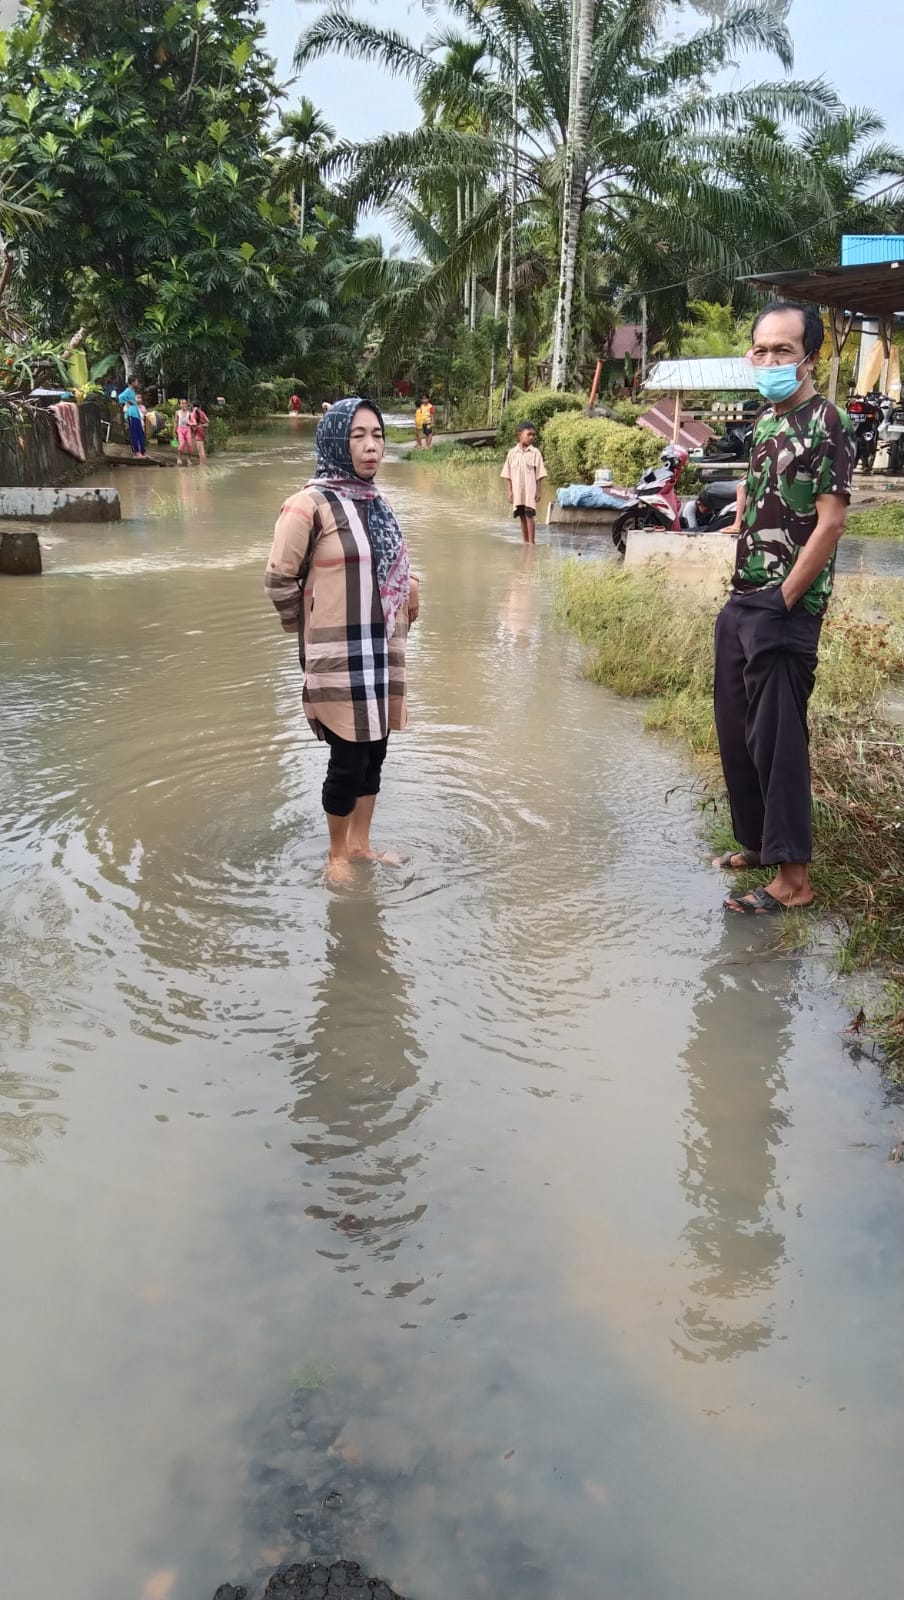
(863, 249)
(869, 291)
(705, 372)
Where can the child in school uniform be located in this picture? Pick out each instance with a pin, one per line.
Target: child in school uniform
(525, 470)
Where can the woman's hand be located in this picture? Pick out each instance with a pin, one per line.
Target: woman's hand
(414, 599)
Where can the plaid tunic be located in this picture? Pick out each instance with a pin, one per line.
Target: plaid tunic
(355, 681)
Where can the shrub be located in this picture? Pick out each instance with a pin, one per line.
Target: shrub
(218, 434)
(537, 407)
(573, 447)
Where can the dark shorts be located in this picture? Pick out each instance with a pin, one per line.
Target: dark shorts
(525, 511)
(427, 432)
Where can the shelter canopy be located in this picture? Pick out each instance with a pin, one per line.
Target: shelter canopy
(704, 373)
(874, 289)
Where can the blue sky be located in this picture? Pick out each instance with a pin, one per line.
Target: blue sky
(859, 48)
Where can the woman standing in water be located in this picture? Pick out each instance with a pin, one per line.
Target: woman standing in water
(339, 577)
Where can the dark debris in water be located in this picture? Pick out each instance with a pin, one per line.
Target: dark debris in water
(344, 1580)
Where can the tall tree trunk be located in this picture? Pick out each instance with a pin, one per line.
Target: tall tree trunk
(304, 197)
(473, 274)
(575, 179)
(512, 222)
(497, 311)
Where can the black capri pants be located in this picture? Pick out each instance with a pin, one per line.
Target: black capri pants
(353, 772)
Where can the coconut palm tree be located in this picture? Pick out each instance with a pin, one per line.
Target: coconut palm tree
(647, 136)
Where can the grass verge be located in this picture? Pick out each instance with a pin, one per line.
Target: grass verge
(877, 522)
(443, 457)
(647, 635)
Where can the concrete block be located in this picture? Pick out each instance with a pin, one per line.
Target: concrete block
(714, 552)
(580, 518)
(20, 553)
(61, 505)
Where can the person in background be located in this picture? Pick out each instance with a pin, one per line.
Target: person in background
(525, 470)
(133, 412)
(295, 405)
(793, 513)
(183, 433)
(200, 423)
(339, 577)
(424, 419)
(324, 408)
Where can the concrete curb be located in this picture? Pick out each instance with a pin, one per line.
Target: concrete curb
(61, 505)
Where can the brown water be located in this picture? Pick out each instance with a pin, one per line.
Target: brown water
(513, 1198)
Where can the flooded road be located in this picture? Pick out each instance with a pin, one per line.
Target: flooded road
(508, 1223)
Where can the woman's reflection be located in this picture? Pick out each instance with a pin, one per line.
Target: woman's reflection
(736, 1124)
(357, 1083)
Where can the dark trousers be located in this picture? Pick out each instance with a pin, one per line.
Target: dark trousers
(766, 661)
(136, 436)
(354, 771)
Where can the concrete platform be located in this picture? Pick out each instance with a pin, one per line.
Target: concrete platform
(577, 518)
(61, 505)
(711, 552)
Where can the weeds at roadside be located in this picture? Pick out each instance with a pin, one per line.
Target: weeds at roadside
(649, 636)
(877, 522)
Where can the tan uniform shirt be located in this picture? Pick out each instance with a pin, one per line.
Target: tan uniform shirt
(525, 470)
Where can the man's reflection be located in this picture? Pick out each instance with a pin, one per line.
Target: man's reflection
(357, 1082)
(735, 1126)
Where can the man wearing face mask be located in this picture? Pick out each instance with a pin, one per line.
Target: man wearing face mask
(793, 513)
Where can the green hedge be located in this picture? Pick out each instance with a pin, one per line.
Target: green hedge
(573, 448)
(537, 406)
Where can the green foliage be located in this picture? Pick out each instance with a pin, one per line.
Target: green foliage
(714, 329)
(144, 141)
(626, 411)
(537, 406)
(218, 435)
(573, 447)
(277, 392)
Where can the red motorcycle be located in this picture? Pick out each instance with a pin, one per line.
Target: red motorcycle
(654, 503)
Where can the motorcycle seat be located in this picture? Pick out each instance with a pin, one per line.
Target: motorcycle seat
(721, 493)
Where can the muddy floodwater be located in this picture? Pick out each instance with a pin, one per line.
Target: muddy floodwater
(509, 1223)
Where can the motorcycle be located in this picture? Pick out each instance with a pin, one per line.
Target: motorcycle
(891, 431)
(713, 510)
(655, 501)
(866, 416)
(737, 440)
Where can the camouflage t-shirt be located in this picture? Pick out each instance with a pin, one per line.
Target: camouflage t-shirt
(795, 457)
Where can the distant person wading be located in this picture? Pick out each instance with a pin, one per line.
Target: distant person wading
(339, 577)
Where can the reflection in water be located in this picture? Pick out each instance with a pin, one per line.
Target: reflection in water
(735, 1126)
(357, 1082)
(519, 614)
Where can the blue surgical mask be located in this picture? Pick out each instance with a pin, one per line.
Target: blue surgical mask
(777, 383)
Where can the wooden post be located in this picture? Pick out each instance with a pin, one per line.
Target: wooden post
(595, 385)
(840, 324)
(885, 333)
(678, 408)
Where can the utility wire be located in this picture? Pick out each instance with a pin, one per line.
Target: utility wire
(686, 283)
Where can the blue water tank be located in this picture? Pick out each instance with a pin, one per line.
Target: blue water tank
(864, 249)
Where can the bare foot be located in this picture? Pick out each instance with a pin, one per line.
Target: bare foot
(365, 853)
(338, 871)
